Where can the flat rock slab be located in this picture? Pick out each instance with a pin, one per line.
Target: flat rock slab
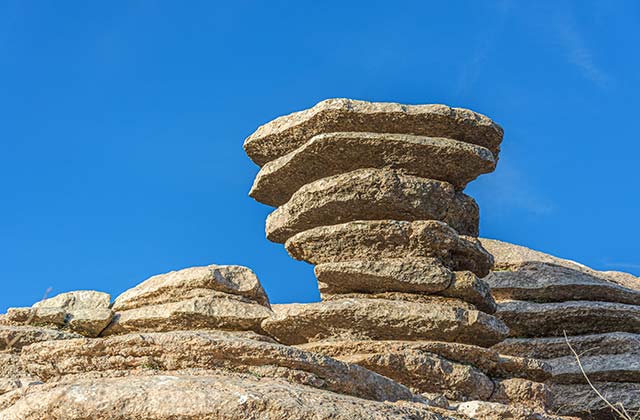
(528, 319)
(179, 285)
(210, 397)
(586, 345)
(76, 300)
(486, 360)
(510, 257)
(372, 194)
(580, 400)
(289, 132)
(381, 319)
(522, 392)
(469, 288)
(388, 239)
(623, 367)
(208, 312)
(484, 410)
(211, 350)
(543, 282)
(15, 337)
(330, 154)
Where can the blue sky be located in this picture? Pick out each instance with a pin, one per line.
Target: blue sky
(122, 125)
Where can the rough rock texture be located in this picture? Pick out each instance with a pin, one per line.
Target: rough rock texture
(208, 350)
(522, 392)
(529, 319)
(383, 239)
(624, 367)
(329, 154)
(208, 397)
(289, 132)
(381, 319)
(203, 312)
(372, 194)
(178, 285)
(483, 410)
(570, 399)
(14, 337)
(469, 288)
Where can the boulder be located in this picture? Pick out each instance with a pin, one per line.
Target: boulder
(372, 194)
(581, 400)
(544, 282)
(180, 285)
(469, 288)
(212, 396)
(554, 347)
(528, 319)
(77, 300)
(42, 316)
(209, 350)
(486, 360)
(330, 154)
(385, 239)
(483, 410)
(522, 392)
(204, 312)
(381, 319)
(623, 367)
(286, 133)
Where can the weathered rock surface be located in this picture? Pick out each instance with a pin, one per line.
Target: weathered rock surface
(286, 133)
(466, 286)
(522, 392)
(483, 410)
(381, 319)
(543, 282)
(385, 239)
(528, 319)
(623, 367)
(238, 352)
(329, 154)
(208, 397)
(180, 285)
(581, 400)
(486, 360)
(79, 299)
(554, 347)
(372, 194)
(14, 337)
(203, 312)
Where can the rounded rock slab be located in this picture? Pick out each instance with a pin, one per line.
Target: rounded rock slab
(330, 154)
(286, 133)
(382, 319)
(391, 239)
(372, 194)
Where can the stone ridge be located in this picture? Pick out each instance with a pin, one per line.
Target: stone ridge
(286, 133)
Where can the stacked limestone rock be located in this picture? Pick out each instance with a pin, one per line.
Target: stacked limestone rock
(371, 193)
(541, 297)
(186, 344)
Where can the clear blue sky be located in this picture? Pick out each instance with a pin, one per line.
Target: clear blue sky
(122, 122)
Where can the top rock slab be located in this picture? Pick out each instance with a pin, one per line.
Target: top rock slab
(286, 133)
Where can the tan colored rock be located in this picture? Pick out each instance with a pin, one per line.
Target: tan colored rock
(523, 393)
(468, 287)
(554, 347)
(289, 132)
(10, 365)
(404, 297)
(79, 299)
(14, 337)
(419, 275)
(511, 257)
(372, 194)
(542, 282)
(580, 400)
(89, 322)
(208, 397)
(208, 350)
(483, 410)
(381, 319)
(486, 360)
(427, 372)
(210, 312)
(45, 316)
(180, 285)
(528, 319)
(12, 384)
(388, 239)
(623, 367)
(330, 154)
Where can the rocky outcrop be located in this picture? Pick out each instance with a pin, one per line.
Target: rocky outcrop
(541, 298)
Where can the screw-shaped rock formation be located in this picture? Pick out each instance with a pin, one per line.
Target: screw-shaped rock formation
(371, 193)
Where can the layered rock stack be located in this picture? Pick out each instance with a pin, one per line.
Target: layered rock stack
(372, 195)
(542, 298)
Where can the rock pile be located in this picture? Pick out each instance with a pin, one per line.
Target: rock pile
(542, 297)
(372, 195)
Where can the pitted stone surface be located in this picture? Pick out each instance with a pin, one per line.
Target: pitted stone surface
(330, 154)
(286, 133)
(372, 194)
(385, 239)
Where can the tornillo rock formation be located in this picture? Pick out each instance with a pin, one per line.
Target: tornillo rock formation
(542, 298)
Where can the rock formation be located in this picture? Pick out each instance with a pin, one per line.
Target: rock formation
(372, 195)
(542, 297)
